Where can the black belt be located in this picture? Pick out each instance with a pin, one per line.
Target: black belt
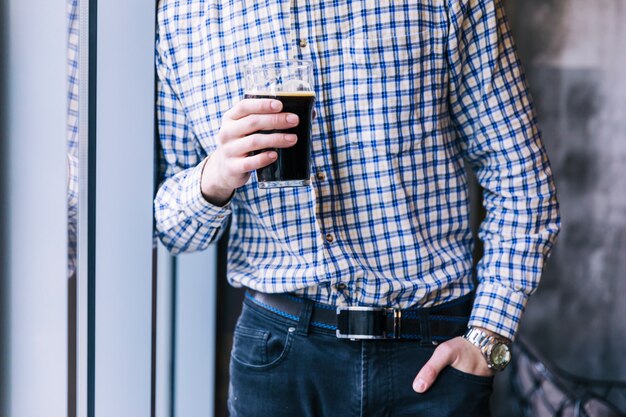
(434, 324)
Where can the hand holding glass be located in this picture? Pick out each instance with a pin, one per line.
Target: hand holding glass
(289, 82)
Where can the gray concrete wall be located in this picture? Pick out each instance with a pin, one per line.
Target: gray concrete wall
(574, 52)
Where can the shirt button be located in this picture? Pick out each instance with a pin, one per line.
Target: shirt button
(303, 43)
(340, 286)
(321, 176)
(330, 238)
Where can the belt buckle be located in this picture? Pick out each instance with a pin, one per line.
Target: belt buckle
(377, 322)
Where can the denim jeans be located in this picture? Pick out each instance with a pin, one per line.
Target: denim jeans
(282, 367)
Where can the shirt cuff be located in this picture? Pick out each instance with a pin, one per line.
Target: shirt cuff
(498, 308)
(194, 204)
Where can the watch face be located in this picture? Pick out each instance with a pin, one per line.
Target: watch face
(500, 355)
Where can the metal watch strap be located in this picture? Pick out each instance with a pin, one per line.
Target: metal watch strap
(485, 342)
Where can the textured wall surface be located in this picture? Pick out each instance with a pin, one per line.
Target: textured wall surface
(574, 53)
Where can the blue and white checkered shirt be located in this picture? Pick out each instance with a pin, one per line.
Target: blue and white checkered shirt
(406, 91)
(72, 132)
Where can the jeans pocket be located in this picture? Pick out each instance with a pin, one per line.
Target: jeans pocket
(479, 379)
(260, 349)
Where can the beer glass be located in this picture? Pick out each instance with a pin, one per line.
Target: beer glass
(290, 82)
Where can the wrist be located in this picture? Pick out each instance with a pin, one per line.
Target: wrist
(495, 349)
(493, 334)
(212, 191)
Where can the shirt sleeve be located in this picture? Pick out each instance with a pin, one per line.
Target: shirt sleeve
(185, 221)
(493, 114)
(72, 212)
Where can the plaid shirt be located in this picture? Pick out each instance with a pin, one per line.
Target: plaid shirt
(72, 132)
(406, 91)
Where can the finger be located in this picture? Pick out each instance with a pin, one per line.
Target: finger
(256, 122)
(251, 163)
(259, 141)
(253, 105)
(442, 357)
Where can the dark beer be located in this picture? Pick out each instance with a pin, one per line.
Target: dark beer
(292, 167)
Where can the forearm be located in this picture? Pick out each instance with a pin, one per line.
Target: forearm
(518, 233)
(185, 220)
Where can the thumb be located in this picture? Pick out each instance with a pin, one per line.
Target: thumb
(442, 357)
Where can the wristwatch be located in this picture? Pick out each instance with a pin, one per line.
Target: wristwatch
(496, 351)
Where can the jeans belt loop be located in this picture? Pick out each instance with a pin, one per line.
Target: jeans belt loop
(397, 322)
(304, 320)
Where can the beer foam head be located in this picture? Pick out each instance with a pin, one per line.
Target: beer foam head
(293, 86)
(289, 86)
